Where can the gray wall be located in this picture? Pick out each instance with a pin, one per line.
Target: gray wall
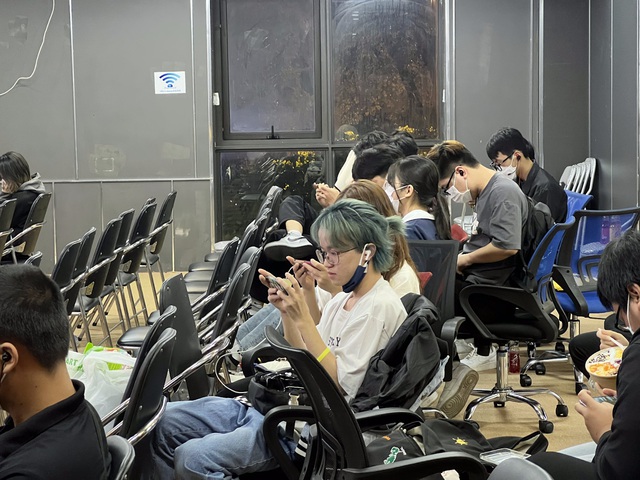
(614, 100)
(90, 122)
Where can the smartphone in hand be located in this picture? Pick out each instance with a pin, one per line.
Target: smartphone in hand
(275, 284)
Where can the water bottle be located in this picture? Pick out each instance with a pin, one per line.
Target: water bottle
(605, 233)
(616, 228)
(514, 357)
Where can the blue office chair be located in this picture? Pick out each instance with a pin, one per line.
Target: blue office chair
(576, 272)
(575, 202)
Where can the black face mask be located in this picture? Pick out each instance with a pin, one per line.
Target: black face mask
(361, 271)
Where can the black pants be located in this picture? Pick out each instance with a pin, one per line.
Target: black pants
(586, 344)
(564, 467)
(296, 208)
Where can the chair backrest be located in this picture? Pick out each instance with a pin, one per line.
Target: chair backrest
(134, 252)
(583, 244)
(567, 177)
(579, 178)
(122, 456)
(252, 256)
(102, 258)
(79, 269)
(222, 270)
(248, 239)
(187, 352)
(440, 258)
(262, 223)
(518, 468)
(126, 219)
(62, 273)
(575, 202)
(163, 221)
(6, 215)
(164, 321)
(147, 399)
(26, 244)
(34, 259)
(591, 164)
(339, 435)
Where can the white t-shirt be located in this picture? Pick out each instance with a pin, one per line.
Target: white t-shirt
(355, 336)
(344, 176)
(405, 281)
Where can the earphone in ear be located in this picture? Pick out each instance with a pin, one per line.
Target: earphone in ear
(518, 157)
(6, 357)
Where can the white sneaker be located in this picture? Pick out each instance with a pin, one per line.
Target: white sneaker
(464, 348)
(479, 362)
(294, 244)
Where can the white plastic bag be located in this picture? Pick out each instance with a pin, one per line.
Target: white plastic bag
(105, 373)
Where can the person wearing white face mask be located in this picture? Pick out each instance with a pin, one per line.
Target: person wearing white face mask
(613, 429)
(513, 156)
(412, 183)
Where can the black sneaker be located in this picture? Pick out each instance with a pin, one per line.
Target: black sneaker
(294, 244)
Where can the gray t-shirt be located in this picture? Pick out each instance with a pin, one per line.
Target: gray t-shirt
(500, 211)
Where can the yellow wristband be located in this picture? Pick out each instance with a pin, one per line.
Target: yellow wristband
(324, 353)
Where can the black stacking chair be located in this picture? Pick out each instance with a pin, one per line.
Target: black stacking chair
(6, 216)
(219, 278)
(79, 272)
(122, 456)
(156, 241)
(132, 259)
(62, 274)
(338, 449)
(24, 243)
(111, 293)
(34, 259)
(147, 402)
(89, 305)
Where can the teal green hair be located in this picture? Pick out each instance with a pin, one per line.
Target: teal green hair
(351, 223)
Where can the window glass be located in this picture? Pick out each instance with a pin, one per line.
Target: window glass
(384, 64)
(271, 57)
(247, 176)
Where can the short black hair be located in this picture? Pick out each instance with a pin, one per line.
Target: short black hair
(619, 268)
(369, 140)
(448, 155)
(375, 161)
(32, 314)
(507, 140)
(405, 141)
(14, 170)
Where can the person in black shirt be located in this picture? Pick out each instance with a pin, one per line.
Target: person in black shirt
(52, 432)
(512, 155)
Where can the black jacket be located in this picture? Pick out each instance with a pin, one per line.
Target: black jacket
(542, 187)
(398, 373)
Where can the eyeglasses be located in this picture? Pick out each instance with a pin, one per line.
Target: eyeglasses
(332, 257)
(446, 187)
(497, 164)
(619, 325)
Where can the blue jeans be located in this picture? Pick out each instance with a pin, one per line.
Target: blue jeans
(251, 332)
(209, 438)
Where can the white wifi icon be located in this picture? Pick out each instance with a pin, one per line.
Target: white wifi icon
(169, 79)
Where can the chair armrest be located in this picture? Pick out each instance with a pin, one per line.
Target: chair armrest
(449, 333)
(376, 418)
(249, 357)
(420, 468)
(563, 276)
(270, 430)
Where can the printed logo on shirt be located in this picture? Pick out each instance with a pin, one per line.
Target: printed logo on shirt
(334, 341)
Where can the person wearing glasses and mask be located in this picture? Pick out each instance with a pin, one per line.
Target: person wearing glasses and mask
(613, 428)
(218, 438)
(513, 156)
(413, 183)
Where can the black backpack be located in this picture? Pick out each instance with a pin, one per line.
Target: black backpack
(539, 221)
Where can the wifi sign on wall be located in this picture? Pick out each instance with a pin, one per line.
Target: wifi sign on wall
(170, 82)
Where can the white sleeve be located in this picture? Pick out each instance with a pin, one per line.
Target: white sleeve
(405, 281)
(344, 176)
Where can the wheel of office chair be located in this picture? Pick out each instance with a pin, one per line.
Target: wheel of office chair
(560, 347)
(562, 410)
(498, 404)
(545, 426)
(525, 380)
(540, 369)
(579, 387)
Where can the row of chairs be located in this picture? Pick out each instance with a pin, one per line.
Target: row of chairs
(21, 247)
(579, 177)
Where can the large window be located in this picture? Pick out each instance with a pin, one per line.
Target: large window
(320, 73)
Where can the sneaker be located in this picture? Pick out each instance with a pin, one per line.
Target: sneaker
(293, 244)
(456, 392)
(464, 348)
(481, 363)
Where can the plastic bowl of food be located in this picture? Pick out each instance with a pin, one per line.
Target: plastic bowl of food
(603, 366)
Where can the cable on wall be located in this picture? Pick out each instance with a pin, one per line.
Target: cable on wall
(35, 66)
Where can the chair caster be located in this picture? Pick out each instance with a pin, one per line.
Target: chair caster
(562, 411)
(560, 347)
(525, 380)
(545, 426)
(540, 369)
(579, 387)
(498, 404)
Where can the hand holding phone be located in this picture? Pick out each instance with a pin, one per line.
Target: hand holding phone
(273, 281)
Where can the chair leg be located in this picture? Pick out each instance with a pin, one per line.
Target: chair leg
(143, 302)
(153, 283)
